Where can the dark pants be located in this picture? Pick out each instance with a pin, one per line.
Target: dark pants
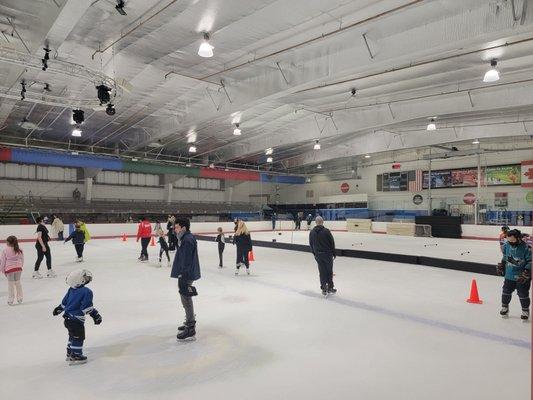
(60, 235)
(242, 257)
(186, 301)
(221, 247)
(76, 335)
(144, 246)
(273, 225)
(325, 269)
(521, 288)
(79, 249)
(172, 241)
(163, 249)
(41, 255)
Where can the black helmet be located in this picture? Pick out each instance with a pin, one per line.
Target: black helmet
(516, 233)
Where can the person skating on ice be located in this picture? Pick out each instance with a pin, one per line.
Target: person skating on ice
(323, 248)
(309, 221)
(186, 269)
(75, 305)
(171, 225)
(144, 233)
(243, 243)
(58, 227)
(515, 266)
(163, 246)
(221, 241)
(11, 264)
(43, 250)
(78, 240)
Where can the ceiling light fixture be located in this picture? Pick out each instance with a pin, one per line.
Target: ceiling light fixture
(23, 90)
(76, 132)
(269, 151)
(78, 116)
(270, 160)
(110, 109)
(237, 131)
(74, 153)
(492, 75)
(188, 165)
(431, 126)
(319, 166)
(103, 94)
(317, 145)
(120, 7)
(205, 50)
(192, 149)
(134, 159)
(475, 141)
(46, 58)
(367, 155)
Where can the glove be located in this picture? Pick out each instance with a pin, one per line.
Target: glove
(97, 318)
(58, 310)
(524, 277)
(500, 269)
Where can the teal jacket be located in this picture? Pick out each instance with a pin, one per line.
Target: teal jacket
(516, 259)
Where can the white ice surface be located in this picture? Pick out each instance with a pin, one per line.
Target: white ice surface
(394, 331)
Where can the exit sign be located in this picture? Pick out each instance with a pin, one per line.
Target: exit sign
(396, 166)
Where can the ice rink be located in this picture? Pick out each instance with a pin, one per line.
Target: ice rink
(393, 330)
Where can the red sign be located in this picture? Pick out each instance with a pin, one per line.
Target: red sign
(469, 198)
(396, 166)
(345, 187)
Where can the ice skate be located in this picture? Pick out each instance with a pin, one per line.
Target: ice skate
(80, 259)
(247, 271)
(237, 270)
(50, 273)
(36, 275)
(169, 264)
(76, 359)
(525, 315)
(19, 301)
(160, 264)
(504, 312)
(10, 302)
(332, 290)
(188, 333)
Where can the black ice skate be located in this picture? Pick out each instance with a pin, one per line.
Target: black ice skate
(188, 332)
(504, 312)
(525, 315)
(76, 359)
(325, 291)
(332, 290)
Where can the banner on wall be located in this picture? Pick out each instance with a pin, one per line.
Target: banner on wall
(395, 179)
(465, 177)
(501, 199)
(439, 179)
(526, 176)
(502, 175)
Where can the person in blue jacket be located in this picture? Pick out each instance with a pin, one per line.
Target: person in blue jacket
(186, 269)
(516, 268)
(78, 240)
(77, 302)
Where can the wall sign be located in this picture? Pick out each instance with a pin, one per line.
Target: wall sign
(529, 197)
(417, 199)
(345, 187)
(469, 198)
(501, 199)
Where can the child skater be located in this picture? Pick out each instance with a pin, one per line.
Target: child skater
(163, 246)
(221, 240)
(77, 302)
(11, 263)
(516, 268)
(78, 240)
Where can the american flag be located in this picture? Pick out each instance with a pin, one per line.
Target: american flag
(415, 180)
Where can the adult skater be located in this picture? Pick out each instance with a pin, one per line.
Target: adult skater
(309, 221)
(323, 248)
(144, 233)
(11, 264)
(186, 269)
(221, 240)
(274, 218)
(57, 227)
(516, 268)
(78, 240)
(43, 250)
(171, 225)
(243, 241)
(503, 236)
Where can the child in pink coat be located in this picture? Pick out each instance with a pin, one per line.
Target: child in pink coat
(11, 263)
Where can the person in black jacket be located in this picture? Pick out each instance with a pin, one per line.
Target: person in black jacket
(323, 248)
(186, 269)
(221, 240)
(78, 240)
(243, 241)
(172, 241)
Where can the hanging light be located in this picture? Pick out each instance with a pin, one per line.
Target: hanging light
(367, 155)
(134, 159)
(317, 145)
(192, 149)
(270, 160)
(74, 153)
(206, 50)
(76, 132)
(237, 131)
(188, 165)
(431, 126)
(319, 166)
(492, 75)
(475, 141)
(269, 151)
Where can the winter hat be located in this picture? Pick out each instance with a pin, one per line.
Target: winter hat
(79, 277)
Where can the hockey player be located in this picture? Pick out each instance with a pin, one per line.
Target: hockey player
(186, 269)
(503, 236)
(323, 248)
(78, 240)
(144, 233)
(77, 302)
(221, 240)
(163, 246)
(516, 268)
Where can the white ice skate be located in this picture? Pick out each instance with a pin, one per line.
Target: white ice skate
(36, 275)
(504, 312)
(248, 271)
(79, 259)
(50, 273)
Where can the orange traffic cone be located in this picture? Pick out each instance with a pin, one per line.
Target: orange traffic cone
(474, 295)
(124, 237)
(251, 256)
(152, 243)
